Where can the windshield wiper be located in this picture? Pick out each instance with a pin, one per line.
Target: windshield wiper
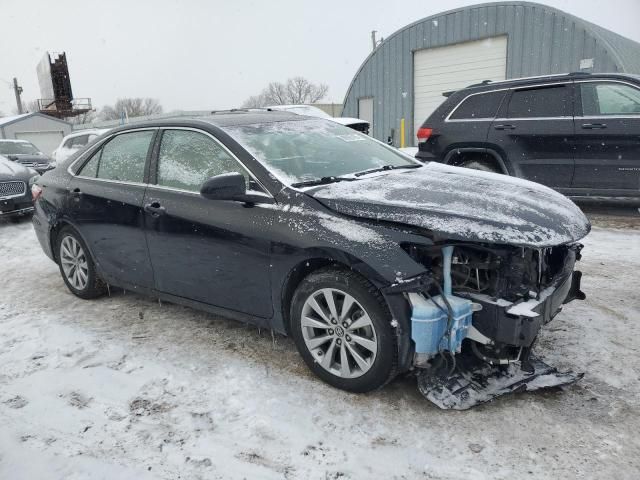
(322, 181)
(386, 167)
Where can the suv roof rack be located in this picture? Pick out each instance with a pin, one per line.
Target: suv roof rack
(231, 110)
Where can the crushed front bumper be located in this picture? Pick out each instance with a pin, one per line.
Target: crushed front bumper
(518, 324)
(474, 382)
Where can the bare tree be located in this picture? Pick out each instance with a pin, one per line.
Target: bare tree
(297, 90)
(132, 107)
(86, 117)
(255, 101)
(300, 90)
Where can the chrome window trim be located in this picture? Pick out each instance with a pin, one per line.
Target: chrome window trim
(609, 80)
(519, 119)
(99, 145)
(612, 117)
(514, 88)
(224, 147)
(154, 186)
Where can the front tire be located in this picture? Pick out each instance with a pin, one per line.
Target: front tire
(76, 265)
(342, 328)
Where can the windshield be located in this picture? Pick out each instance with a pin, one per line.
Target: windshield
(308, 150)
(18, 148)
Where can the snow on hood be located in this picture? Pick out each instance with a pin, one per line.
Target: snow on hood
(461, 204)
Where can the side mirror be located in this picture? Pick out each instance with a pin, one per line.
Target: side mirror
(228, 186)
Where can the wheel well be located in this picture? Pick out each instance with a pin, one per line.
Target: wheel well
(53, 236)
(296, 275)
(457, 158)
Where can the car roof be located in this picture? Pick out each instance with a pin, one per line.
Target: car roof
(516, 82)
(88, 131)
(221, 119)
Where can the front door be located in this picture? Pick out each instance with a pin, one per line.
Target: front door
(212, 251)
(608, 137)
(105, 204)
(534, 131)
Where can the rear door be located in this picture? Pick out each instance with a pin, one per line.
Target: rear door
(211, 251)
(105, 204)
(607, 137)
(535, 132)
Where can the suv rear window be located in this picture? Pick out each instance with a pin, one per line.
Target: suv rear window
(553, 101)
(481, 105)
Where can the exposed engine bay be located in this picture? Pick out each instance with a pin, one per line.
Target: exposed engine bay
(475, 322)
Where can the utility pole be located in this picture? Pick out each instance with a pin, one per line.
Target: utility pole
(18, 90)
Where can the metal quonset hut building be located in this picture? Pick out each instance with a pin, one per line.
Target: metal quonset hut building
(403, 79)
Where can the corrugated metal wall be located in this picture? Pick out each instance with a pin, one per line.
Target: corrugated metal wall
(541, 40)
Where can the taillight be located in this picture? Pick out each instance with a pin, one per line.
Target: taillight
(36, 191)
(424, 134)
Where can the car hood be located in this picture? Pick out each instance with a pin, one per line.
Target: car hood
(29, 159)
(14, 171)
(461, 204)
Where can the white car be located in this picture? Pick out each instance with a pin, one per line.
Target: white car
(311, 111)
(75, 141)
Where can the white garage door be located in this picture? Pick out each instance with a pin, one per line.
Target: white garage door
(442, 69)
(365, 111)
(46, 141)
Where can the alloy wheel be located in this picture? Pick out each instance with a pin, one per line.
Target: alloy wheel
(339, 333)
(74, 262)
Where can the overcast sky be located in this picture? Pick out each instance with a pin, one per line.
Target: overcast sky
(196, 55)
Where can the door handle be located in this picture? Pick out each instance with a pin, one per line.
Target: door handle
(76, 193)
(505, 127)
(155, 209)
(594, 126)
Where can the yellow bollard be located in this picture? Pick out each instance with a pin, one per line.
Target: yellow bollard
(402, 133)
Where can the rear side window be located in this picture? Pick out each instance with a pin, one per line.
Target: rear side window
(483, 105)
(188, 158)
(122, 159)
(609, 99)
(553, 101)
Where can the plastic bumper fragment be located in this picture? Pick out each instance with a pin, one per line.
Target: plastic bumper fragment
(475, 382)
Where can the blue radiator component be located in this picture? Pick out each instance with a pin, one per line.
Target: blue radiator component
(430, 323)
(433, 327)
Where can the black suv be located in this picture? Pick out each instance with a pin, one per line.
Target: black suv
(578, 133)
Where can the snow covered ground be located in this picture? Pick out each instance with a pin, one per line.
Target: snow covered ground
(123, 387)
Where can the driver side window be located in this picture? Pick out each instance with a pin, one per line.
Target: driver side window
(187, 159)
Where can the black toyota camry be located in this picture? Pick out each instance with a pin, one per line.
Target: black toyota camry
(374, 263)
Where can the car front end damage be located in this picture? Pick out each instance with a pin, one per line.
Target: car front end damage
(475, 313)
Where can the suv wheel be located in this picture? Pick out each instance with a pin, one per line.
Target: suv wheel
(76, 266)
(480, 165)
(342, 328)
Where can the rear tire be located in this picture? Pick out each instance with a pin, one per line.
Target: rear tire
(76, 265)
(480, 165)
(349, 343)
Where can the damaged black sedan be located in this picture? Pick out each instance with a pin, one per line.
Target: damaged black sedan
(374, 263)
